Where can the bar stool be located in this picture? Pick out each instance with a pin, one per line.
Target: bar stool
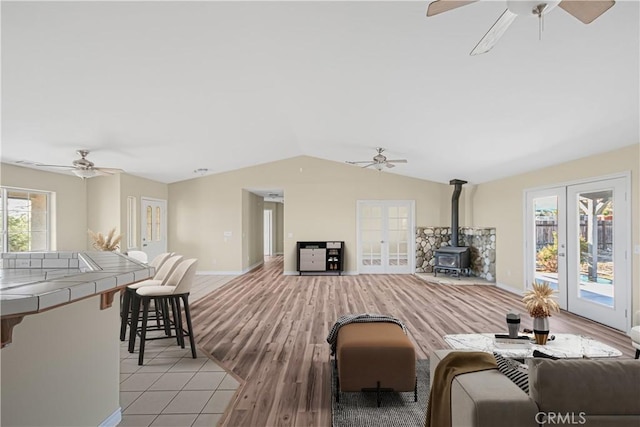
(176, 290)
(138, 256)
(160, 259)
(159, 279)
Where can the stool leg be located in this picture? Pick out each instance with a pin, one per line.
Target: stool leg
(179, 330)
(378, 392)
(135, 313)
(415, 391)
(165, 318)
(174, 310)
(637, 354)
(143, 332)
(124, 313)
(187, 314)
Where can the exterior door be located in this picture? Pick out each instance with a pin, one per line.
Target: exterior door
(598, 274)
(578, 242)
(385, 237)
(154, 226)
(546, 240)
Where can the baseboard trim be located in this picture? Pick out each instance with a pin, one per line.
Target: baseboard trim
(218, 273)
(510, 289)
(112, 420)
(252, 267)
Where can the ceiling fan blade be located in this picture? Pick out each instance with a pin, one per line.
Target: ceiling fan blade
(397, 161)
(52, 166)
(109, 171)
(586, 11)
(355, 163)
(440, 6)
(495, 32)
(390, 165)
(370, 164)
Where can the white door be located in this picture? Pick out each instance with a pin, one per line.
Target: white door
(598, 263)
(546, 240)
(267, 233)
(154, 226)
(385, 237)
(586, 259)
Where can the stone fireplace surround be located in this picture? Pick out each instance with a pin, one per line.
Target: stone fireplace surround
(481, 240)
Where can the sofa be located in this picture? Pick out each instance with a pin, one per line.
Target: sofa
(590, 392)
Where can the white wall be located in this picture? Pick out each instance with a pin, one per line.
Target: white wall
(69, 207)
(103, 206)
(320, 205)
(63, 366)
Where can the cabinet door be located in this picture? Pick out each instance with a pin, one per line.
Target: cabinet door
(313, 259)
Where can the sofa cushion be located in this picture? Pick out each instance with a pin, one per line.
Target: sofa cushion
(594, 387)
(514, 370)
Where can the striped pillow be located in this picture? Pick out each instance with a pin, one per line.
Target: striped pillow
(515, 371)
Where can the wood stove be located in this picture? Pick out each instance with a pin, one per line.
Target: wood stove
(453, 259)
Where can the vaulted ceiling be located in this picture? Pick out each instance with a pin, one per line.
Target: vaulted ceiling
(160, 89)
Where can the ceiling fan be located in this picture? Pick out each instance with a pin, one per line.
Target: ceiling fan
(584, 10)
(82, 167)
(379, 161)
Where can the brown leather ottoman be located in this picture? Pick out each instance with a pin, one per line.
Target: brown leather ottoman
(375, 357)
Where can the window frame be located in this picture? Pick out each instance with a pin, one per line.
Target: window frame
(4, 191)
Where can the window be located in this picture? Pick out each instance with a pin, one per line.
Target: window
(24, 220)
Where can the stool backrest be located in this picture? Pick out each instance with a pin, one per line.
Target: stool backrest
(138, 256)
(182, 277)
(167, 268)
(159, 260)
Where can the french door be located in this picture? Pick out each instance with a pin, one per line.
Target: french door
(385, 237)
(578, 242)
(154, 226)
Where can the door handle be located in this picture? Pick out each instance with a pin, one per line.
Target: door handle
(560, 254)
(144, 244)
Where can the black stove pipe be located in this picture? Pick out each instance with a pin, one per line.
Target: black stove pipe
(457, 189)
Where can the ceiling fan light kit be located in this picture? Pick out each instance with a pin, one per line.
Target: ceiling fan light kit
(585, 11)
(84, 173)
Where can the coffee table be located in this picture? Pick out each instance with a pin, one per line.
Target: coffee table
(563, 346)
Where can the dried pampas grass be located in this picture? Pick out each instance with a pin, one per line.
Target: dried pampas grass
(110, 242)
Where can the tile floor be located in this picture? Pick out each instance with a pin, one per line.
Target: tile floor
(172, 388)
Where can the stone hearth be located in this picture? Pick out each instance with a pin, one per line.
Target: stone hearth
(482, 242)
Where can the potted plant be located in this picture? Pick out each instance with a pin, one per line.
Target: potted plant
(540, 302)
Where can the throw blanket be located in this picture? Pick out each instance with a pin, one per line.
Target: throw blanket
(332, 338)
(454, 363)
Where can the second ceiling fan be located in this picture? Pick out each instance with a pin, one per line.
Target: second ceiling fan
(584, 10)
(379, 161)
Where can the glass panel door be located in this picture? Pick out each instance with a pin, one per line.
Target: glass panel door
(577, 240)
(546, 242)
(597, 267)
(154, 226)
(385, 237)
(371, 238)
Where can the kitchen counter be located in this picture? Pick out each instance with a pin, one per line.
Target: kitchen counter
(33, 282)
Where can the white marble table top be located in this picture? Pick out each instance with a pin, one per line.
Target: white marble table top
(563, 346)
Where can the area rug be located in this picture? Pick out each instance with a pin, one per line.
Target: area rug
(396, 409)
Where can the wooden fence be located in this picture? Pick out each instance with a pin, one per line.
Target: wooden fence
(546, 228)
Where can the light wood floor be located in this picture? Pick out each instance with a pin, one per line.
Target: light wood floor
(270, 330)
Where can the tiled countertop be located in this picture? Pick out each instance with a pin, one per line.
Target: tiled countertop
(35, 281)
